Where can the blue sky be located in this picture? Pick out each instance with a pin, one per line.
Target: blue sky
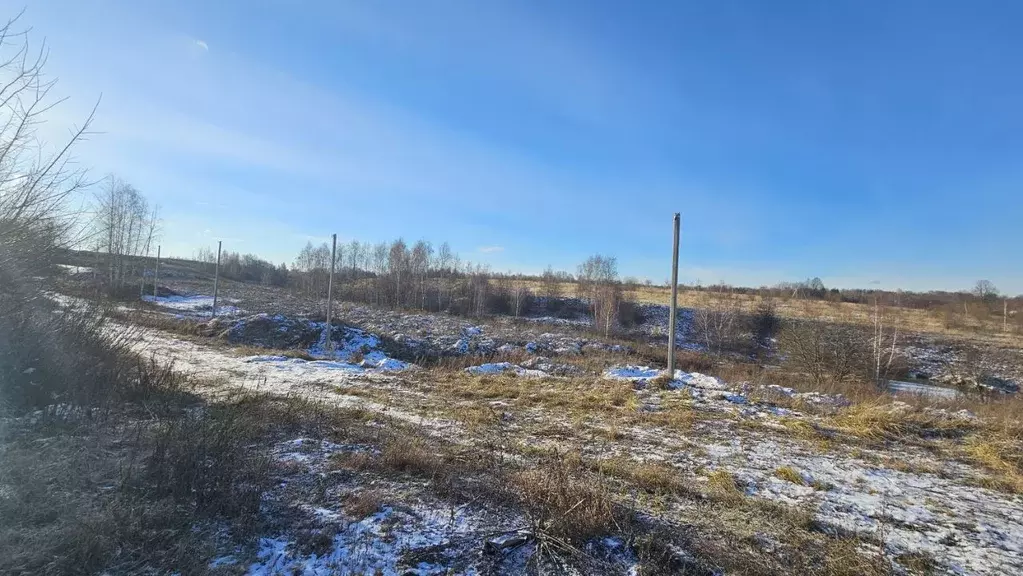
(868, 143)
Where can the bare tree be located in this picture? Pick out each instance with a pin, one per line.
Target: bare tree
(37, 181)
(397, 267)
(127, 225)
(885, 329)
(445, 258)
(550, 284)
(598, 283)
(379, 265)
(354, 252)
(985, 290)
(478, 287)
(419, 263)
(720, 328)
(520, 297)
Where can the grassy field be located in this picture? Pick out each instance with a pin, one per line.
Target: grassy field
(923, 321)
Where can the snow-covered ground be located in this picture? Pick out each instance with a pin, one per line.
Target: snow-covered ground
(967, 529)
(195, 305)
(505, 368)
(75, 269)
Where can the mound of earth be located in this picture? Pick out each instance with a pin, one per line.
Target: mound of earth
(265, 330)
(983, 382)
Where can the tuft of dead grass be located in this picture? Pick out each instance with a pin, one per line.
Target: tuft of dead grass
(887, 420)
(723, 485)
(564, 503)
(790, 474)
(650, 476)
(363, 503)
(1002, 455)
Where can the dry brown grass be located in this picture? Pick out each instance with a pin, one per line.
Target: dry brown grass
(845, 312)
(790, 474)
(884, 420)
(412, 456)
(1002, 454)
(363, 503)
(650, 476)
(992, 437)
(721, 484)
(562, 500)
(130, 492)
(569, 395)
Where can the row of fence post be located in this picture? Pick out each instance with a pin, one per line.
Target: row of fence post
(672, 313)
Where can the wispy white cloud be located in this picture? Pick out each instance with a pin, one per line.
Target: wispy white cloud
(270, 145)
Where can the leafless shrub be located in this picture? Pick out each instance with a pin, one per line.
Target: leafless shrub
(203, 458)
(604, 302)
(522, 299)
(764, 326)
(37, 181)
(721, 329)
(363, 503)
(550, 284)
(629, 313)
(827, 351)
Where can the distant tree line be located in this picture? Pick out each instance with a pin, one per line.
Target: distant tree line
(125, 228)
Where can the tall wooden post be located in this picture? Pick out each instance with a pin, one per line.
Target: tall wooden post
(216, 280)
(674, 300)
(1005, 315)
(330, 289)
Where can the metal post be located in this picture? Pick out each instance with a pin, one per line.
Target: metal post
(156, 274)
(674, 299)
(330, 288)
(216, 280)
(1005, 315)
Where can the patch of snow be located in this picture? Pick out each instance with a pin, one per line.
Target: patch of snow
(560, 321)
(228, 560)
(380, 361)
(735, 398)
(902, 387)
(823, 399)
(697, 380)
(299, 365)
(75, 269)
(461, 346)
(373, 545)
(682, 379)
(267, 358)
(352, 343)
(632, 373)
(193, 305)
(502, 367)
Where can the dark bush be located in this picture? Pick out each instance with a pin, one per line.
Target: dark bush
(764, 326)
(630, 313)
(827, 351)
